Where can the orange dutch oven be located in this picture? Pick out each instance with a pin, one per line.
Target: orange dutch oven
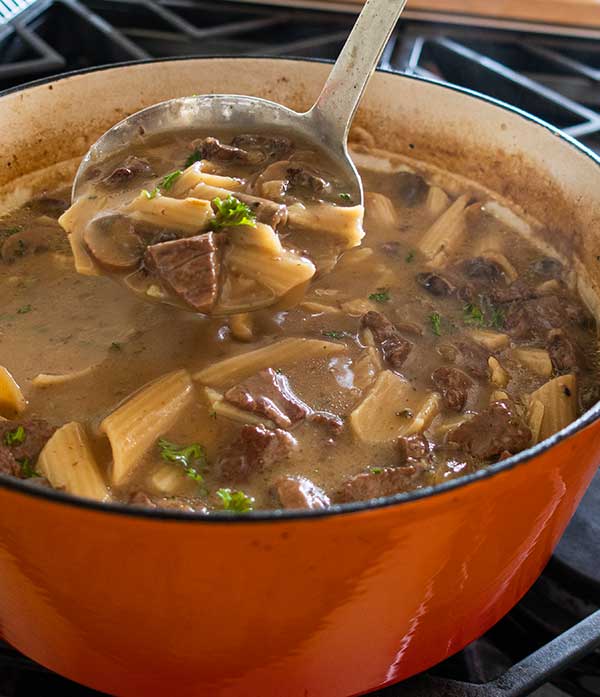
(340, 602)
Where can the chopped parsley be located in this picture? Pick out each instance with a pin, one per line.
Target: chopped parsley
(497, 320)
(170, 179)
(231, 212)
(333, 334)
(473, 315)
(409, 257)
(27, 469)
(15, 437)
(196, 156)
(7, 231)
(235, 501)
(435, 319)
(21, 248)
(376, 470)
(484, 315)
(381, 296)
(24, 310)
(116, 346)
(191, 457)
(150, 194)
(345, 196)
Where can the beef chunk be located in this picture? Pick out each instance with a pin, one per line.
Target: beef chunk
(14, 455)
(491, 432)
(189, 268)
(435, 284)
(411, 188)
(536, 317)
(481, 269)
(377, 482)
(8, 463)
(564, 352)
(473, 358)
(393, 345)
(302, 178)
(256, 448)
(332, 423)
(518, 290)
(131, 168)
(299, 492)
(213, 149)
(274, 147)
(414, 447)
(547, 267)
(269, 394)
(453, 385)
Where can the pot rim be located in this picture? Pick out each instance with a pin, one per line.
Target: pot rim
(122, 509)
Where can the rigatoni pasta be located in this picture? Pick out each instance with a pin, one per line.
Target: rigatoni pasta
(68, 463)
(136, 425)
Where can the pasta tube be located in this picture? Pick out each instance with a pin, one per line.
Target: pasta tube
(68, 463)
(12, 400)
(189, 214)
(558, 398)
(232, 370)
(135, 426)
(446, 233)
(393, 409)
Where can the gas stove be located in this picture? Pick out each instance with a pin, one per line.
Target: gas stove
(549, 644)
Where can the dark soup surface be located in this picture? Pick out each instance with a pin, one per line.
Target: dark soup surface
(448, 338)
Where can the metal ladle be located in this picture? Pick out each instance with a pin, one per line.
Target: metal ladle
(326, 124)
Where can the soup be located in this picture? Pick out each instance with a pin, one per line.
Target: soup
(452, 338)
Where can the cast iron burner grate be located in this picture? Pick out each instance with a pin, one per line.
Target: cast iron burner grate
(550, 643)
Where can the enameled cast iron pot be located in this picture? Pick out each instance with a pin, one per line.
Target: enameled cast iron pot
(136, 602)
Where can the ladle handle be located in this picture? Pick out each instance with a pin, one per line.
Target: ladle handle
(334, 109)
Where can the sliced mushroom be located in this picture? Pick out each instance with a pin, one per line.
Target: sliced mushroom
(113, 243)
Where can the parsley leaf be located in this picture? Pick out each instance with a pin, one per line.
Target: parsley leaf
(7, 231)
(376, 470)
(14, 437)
(116, 346)
(484, 315)
(27, 469)
(435, 319)
(235, 501)
(346, 197)
(170, 179)
(150, 194)
(196, 156)
(24, 310)
(333, 334)
(231, 212)
(381, 296)
(409, 257)
(191, 457)
(497, 320)
(473, 315)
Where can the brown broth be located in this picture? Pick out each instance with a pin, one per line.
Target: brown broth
(53, 320)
